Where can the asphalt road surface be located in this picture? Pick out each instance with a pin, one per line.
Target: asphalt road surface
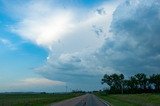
(84, 100)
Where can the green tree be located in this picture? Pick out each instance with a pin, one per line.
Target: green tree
(115, 82)
(155, 80)
(141, 80)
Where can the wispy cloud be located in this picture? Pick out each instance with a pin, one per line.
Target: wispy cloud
(31, 82)
(7, 43)
(37, 84)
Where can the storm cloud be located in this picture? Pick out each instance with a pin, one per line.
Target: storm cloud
(107, 39)
(134, 46)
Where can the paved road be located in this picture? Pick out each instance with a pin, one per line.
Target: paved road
(85, 100)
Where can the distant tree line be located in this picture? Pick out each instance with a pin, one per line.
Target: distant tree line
(139, 83)
(78, 91)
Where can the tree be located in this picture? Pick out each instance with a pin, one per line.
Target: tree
(141, 80)
(131, 85)
(155, 80)
(115, 82)
(139, 83)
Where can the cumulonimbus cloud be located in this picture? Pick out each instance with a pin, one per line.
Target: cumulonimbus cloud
(132, 45)
(70, 40)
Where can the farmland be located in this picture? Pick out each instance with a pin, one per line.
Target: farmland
(132, 99)
(33, 99)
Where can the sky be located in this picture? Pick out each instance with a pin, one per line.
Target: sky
(46, 45)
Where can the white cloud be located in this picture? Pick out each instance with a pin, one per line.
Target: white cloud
(34, 84)
(44, 31)
(45, 24)
(40, 82)
(71, 38)
(7, 43)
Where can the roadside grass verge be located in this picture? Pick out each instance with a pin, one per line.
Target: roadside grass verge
(132, 99)
(33, 99)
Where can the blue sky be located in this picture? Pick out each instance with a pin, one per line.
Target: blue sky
(48, 44)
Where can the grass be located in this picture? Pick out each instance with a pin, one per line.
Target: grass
(132, 99)
(32, 99)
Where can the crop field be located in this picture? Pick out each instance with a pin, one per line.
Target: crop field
(132, 99)
(33, 99)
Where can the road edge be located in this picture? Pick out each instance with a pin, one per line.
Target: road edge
(104, 101)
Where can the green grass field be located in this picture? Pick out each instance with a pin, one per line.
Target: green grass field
(133, 99)
(32, 99)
